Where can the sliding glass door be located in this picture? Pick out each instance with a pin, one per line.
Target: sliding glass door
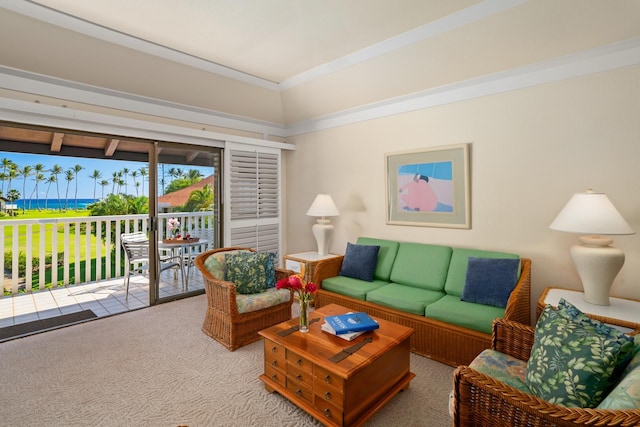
(185, 214)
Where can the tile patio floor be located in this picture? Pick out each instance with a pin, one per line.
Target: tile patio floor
(104, 298)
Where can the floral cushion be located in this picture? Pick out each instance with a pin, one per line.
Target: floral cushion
(255, 302)
(251, 272)
(626, 395)
(502, 367)
(216, 264)
(566, 309)
(571, 361)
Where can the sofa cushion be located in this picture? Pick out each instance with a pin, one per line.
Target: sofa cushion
(457, 274)
(571, 361)
(251, 272)
(359, 261)
(351, 287)
(255, 302)
(490, 281)
(404, 298)
(386, 256)
(421, 265)
(502, 367)
(450, 309)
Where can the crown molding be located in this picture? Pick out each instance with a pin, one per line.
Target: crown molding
(458, 19)
(605, 58)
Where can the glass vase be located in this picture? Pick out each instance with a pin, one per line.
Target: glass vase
(304, 316)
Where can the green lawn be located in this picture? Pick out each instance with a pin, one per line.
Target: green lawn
(48, 232)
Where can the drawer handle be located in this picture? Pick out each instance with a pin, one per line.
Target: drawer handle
(274, 363)
(327, 413)
(298, 392)
(299, 377)
(327, 395)
(274, 377)
(327, 379)
(274, 349)
(299, 362)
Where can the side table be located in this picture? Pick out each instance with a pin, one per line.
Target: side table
(316, 268)
(624, 313)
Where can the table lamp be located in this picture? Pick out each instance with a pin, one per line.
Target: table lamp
(323, 207)
(596, 261)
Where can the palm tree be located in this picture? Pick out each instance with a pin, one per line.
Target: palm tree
(103, 183)
(6, 164)
(69, 175)
(194, 176)
(39, 176)
(143, 174)
(124, 173)
(114, 179)
(49, 181)
(134, 175)
(11, 175)
(76, 170)
(25, 172)
(200, 200)
(55, 171)
(95, 176)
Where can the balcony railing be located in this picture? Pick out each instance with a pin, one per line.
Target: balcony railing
(67, 251)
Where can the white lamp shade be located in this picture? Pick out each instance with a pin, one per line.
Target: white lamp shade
(591, 213)
(323, 206)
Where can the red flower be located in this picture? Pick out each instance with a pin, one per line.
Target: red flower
(304, 291)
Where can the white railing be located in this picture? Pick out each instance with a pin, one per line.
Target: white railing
(74, 241)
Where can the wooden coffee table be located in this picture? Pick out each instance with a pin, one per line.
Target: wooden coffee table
(344, 393)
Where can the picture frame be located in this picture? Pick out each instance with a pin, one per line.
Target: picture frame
(429, 188)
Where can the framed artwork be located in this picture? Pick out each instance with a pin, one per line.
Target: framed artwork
(429, 188)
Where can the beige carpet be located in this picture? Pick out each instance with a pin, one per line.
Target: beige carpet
(154, 367)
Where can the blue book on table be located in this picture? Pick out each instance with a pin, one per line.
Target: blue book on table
(352, 322)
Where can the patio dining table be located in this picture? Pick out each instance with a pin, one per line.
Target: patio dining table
(182, 247)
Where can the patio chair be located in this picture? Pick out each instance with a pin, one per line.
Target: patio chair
(136, 249)
(234, 319)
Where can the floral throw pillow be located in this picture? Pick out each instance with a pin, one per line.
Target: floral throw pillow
(627, 344)
(250, 272)
(571, 361)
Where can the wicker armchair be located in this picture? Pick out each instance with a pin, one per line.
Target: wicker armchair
(480, 400)
(223, 322)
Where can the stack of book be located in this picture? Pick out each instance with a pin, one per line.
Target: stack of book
(349, 326)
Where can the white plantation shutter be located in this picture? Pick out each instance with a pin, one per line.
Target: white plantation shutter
(252, 199)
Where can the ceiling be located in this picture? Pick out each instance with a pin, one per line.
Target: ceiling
(271, 39)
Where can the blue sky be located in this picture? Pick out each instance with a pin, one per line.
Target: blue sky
(85, 182)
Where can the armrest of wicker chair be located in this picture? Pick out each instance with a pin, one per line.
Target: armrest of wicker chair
(512, 338)
(519, 304)
(480, 400)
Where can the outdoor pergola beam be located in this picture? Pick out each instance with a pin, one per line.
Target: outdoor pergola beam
(192, 156)
(56, 142)
(112, 144)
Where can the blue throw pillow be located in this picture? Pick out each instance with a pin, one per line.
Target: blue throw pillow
(360, 261)
(490, 281)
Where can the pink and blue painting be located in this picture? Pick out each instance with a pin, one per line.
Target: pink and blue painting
(425, 187)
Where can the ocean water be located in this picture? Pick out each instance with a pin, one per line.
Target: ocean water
(53, 203)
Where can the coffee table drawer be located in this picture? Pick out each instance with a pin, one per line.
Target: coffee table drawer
(298, 362)
(326, 378)
(275, 375)
(331, 414)
(298, 376)
(300, 390)
(274, 355)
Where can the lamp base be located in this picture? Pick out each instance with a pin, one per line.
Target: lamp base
(597, 267)
(323, 232)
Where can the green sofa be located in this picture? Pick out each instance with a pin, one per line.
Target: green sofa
(420, 285)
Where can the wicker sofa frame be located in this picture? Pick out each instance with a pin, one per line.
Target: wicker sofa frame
(444, 342)
(222, 320)
(479, 400)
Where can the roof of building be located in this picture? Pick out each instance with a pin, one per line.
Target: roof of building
(180, 197)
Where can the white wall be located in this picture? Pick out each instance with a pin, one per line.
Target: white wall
(531, 149)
